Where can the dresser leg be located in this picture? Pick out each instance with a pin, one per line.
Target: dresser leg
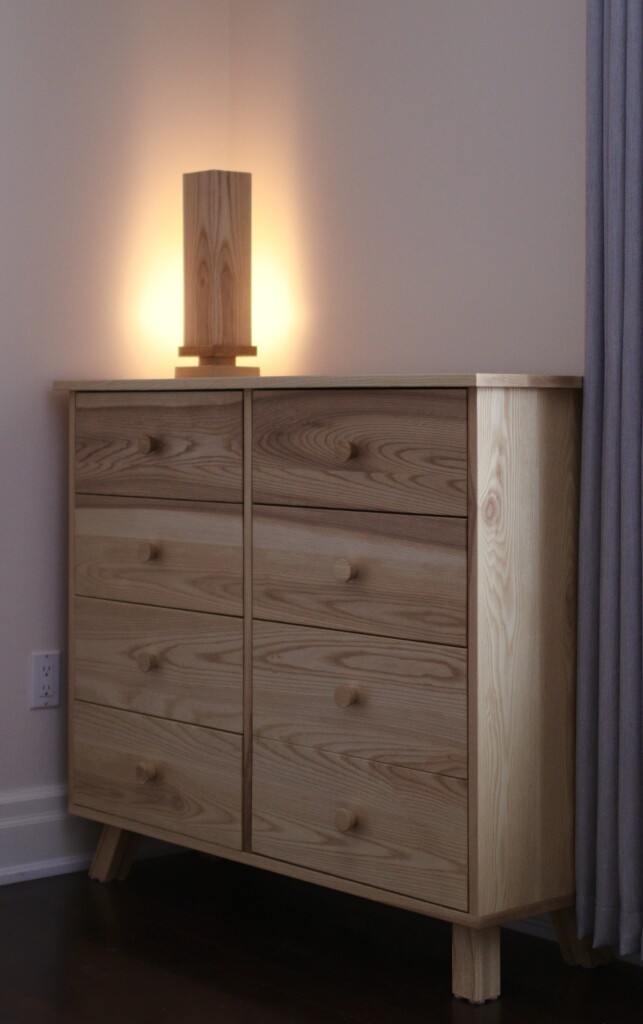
(475, 963)
(114, 854)
(577, 952)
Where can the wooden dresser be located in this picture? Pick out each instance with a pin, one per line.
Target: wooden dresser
(326, 626)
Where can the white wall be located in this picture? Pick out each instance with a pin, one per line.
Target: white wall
(419, 180)
(418, 206)
(103, 105)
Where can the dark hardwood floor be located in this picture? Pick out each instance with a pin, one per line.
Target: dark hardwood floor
(191, 940)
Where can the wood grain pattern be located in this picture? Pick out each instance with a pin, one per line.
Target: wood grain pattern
(196, 790)
(527, 380)
(358, 449)
(523, 597)
(71, 576)
(199, 564)
(114, 854)
(411, 579)
(216, 249)
(213, 369)
(194, 448)
(419, 380)
(196, 675)
(370, 892)
(347, 785)
(410, 703)
(247, 621)
(475, 969)
(411, 831)
(575, 951)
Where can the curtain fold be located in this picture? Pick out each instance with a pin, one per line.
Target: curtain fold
(609, 791)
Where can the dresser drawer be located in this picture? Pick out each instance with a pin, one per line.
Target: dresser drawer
(177, 554)
(166, 774)
(391, 827)
(164, 446)
(368, 572)
(394, 701)
(160, 661)
(391, 451)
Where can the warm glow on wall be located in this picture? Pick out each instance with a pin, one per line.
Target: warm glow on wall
(278, 315)
(151, 288)
(152, 296)
(158, 304)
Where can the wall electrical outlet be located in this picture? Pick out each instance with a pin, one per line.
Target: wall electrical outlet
(44, 688)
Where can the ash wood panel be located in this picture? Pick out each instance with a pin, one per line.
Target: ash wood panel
(527, 380)
(420, 380)
(247, 621)
(196, 671)
(506, 800)
(394, 899)
(410, 705)
(410, 833)
(198, 565)
(71, 575)
(575, 951)
(114, 854)
(213, 368)
(383, 450)
(194, 444)
(192, 778)
(411, 572)
(216, 250)
(475, 969)
(523, 597)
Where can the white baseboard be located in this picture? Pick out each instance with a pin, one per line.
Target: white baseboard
(39, 838)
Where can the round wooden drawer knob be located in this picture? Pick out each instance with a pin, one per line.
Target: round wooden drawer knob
(344, 570)
(148, 444)
(148, 552)
(346, 819)
(346, 695)
(146, 771)
(346, 450)
(146, 661)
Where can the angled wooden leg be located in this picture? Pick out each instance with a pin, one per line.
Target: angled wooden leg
(577, 951)
(475, 963)
(114, 854)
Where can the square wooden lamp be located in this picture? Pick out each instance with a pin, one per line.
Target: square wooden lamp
(216, 264)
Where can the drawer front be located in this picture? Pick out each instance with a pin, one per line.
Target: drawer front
(389, 451)
(163, 446)
(160, 661)
(391, 575)
(167, 774)
(394, 701)
(177, 554)
(395, 828)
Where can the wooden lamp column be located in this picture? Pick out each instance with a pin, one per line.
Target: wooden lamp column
(216, 255)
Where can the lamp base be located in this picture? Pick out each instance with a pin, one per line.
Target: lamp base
(217, 361)
(216, 371)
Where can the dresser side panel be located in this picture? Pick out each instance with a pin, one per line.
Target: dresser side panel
(524, 506)
(247, 621)
(71, 569)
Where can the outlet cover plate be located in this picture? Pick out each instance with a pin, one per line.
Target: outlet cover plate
(44, 688)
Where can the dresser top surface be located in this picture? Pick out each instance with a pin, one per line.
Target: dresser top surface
(452, 380)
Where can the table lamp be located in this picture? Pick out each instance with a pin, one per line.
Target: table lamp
(217, 276)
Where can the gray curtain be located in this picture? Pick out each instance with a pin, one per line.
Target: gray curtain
(609, 825)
